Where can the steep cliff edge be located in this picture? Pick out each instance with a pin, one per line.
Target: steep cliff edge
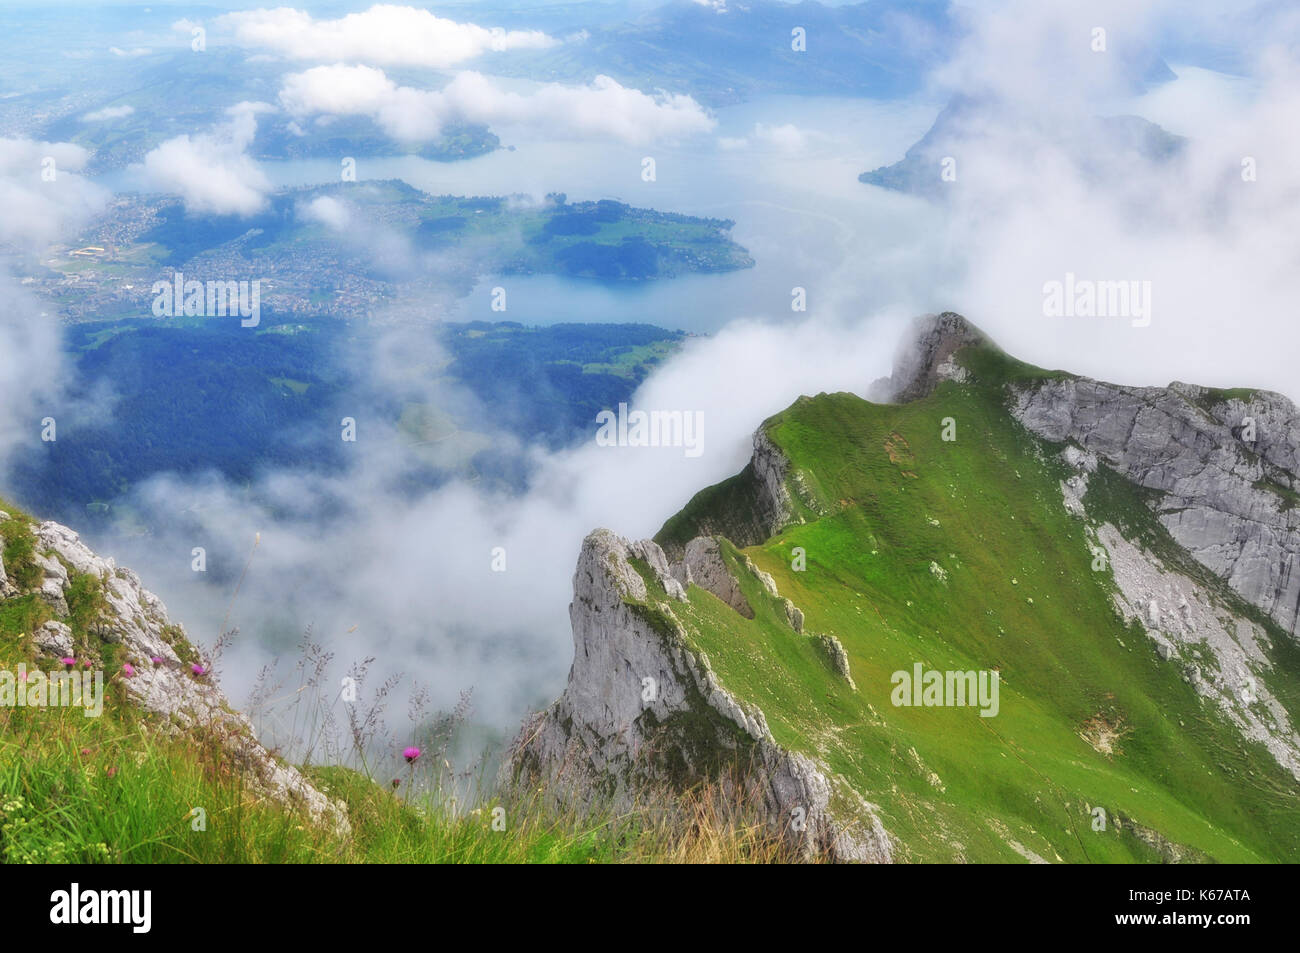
(59, 601)
(645, 712)
(1117, 557)
(1225, 465)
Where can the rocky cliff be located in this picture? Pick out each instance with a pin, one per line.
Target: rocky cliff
(100, 614)
(644, 712)
(1122, 557)
(1225, 465)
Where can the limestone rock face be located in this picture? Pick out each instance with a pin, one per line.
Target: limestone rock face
(1221, 654)
(1227, 471)
(926, 357)
(839, 659)
(702, 565)
(1227, 465)
(185, 702)
(770, 465)
(644, 712)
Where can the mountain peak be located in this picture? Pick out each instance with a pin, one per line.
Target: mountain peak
(925, 357)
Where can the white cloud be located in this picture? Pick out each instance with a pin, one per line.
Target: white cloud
(135, 51)
(327, 211)
(32, 369)
(43, 200)
(213, 172)
(385, 34)
(603, 109)
(784, 138)
(418, 583)
(40, 192)
(1218, 249)
(108, 112)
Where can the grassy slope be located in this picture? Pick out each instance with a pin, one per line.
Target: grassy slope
(987, 509)
(115, 789)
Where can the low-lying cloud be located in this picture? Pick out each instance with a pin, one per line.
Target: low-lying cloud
(212, 172)
(602, 109)
(41, 192)
(385, 34)
(1211, 229)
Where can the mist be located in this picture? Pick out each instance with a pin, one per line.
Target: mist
(375, 568)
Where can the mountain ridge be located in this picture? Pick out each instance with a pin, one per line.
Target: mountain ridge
(1181, 681)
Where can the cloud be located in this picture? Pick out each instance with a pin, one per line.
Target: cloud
(135, 51)
(412, 570)
(327, 211)
(1213, 230)
(1052, 53)
(108, 112)
(43, 200)
(32, 369)
(41, 193)
(385, 34)
(786, 138)
(213, 172)
(601, 109)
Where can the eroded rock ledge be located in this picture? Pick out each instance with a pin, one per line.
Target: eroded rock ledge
(135, 622)
(613, 738)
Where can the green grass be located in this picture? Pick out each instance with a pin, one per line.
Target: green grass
(884, 498)
(111, 790)
(122, 788)
(19, 550)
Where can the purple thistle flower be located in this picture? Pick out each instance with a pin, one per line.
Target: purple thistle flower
(198, 669)
(410, 754)
(157, 659)
(68, 661)
(128, 669)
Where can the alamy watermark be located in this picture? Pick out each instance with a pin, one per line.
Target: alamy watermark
(209, 299)
(653, 428)
(1084, 298)
(66, 689)
(935, 689)
(128, 907)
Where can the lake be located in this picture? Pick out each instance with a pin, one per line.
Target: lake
(793, 194)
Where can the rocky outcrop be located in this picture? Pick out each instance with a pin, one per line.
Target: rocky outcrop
(1221, 654)
(1226, 465)
(775, 508)
(747, 509)
(644, 712)
(926, 357)
(702, 565)
(168, 676)
(1226, 468)
(839, 659)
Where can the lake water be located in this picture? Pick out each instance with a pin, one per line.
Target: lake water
(794, 196)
